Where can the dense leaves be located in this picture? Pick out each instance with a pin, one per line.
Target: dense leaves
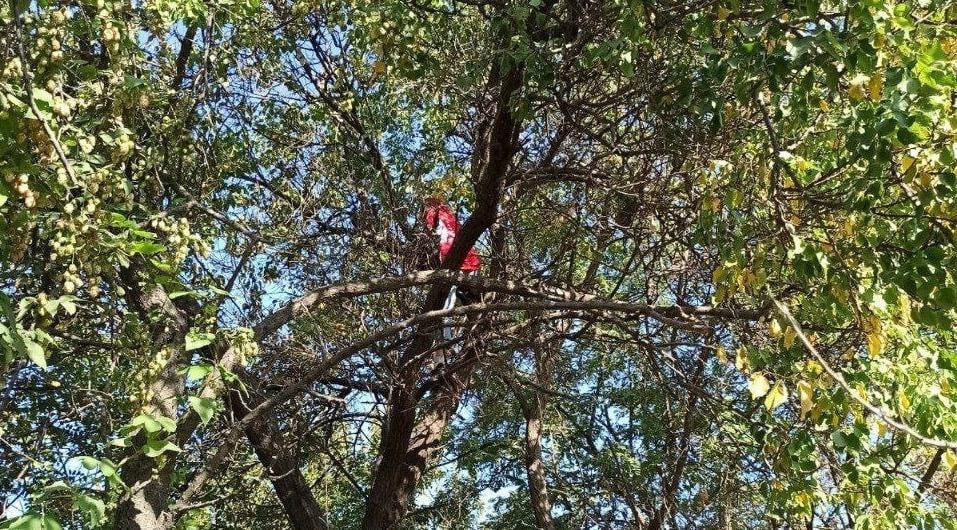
(718, 283)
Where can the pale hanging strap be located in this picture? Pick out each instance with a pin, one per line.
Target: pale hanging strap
(449, 304)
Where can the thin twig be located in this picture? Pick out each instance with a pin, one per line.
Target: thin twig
(836, 376)
(28, 88)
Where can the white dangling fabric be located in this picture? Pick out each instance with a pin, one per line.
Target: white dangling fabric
(449, 304)
(446, 235)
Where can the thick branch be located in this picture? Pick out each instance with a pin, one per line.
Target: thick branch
(305, 303)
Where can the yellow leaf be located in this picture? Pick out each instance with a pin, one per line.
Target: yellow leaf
(875, 86)
(758, 386)
(789, 336)
(903, 402)
(906, 163)
(904, 308)
(741, 279)
(850, 226)
(718, 274)
(741, 361)
(806, 393)
(715, 205)
(751, 279)
(875, 343)
(875, 335)
(879, 40)
(856, 92)
(776, 397)
(719, 294)
(804, 500)
(856, 87)
(774, 327)
(950, 460)
(722, 355)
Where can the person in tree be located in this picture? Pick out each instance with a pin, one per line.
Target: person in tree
(441, 220)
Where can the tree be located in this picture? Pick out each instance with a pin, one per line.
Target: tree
(717, 286)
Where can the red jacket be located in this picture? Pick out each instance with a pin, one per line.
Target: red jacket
(440, 219)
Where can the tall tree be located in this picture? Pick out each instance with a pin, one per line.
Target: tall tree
(717, 288)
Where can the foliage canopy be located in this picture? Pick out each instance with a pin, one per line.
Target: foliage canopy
(719, 282)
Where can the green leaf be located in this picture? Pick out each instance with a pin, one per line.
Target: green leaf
(12, 330)
(198, 372)
(218, 291)
(168, 424)
(93, 508)
(947, 297)
(35, 353)
(838, 438)
(195, 340)
(56, 487)
(205, 407)
(68, 305)
(146, 248)
(155, 448)
(32, 521)
(51, 306)
(88, 462)
(120, 221)
(108, 468)
(44, 101)
(147, 422)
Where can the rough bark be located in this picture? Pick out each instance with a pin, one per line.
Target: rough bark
(535, 467)
(399, 469)
(928, 477)
(535, 289)
(419, 441)
(533, 409)
(144, 507)
(282, 468)
(444, 401)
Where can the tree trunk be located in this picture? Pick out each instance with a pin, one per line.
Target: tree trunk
(535, 469)
(406, 456)
(389, 497)
(534, 411)
(301, 507)
(928, 477)
(402, 461)
(144, 507)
